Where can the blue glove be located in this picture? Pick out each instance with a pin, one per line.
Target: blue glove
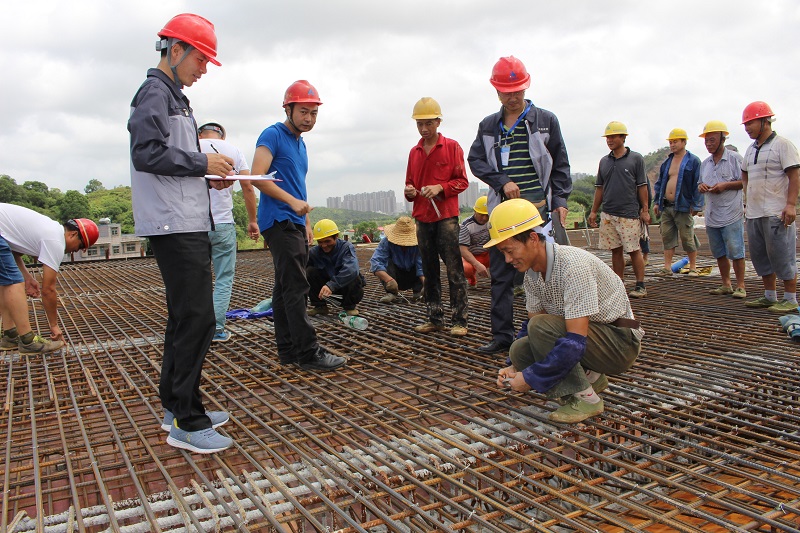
(547, 373)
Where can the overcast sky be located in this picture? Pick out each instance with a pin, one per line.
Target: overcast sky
(71, 68)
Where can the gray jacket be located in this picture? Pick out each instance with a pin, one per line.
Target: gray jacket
(545, 145)
(170, 194)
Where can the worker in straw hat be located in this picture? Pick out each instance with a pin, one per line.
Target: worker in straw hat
(581, 324)
(396, 261)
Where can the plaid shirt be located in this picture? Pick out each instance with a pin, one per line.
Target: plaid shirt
(578, 284)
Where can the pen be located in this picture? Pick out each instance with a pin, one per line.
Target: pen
(215, 149)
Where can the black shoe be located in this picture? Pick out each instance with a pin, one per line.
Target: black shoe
(494, 347)
(323, 360)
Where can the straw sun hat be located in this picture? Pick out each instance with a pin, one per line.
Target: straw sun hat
(402, 233)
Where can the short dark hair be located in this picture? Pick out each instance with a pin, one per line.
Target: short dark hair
(524, 236)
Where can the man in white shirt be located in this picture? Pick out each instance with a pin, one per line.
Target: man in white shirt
(26, 232)
(771, 178)
(223, 236)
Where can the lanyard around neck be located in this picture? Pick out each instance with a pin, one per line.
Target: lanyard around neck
(504, 133)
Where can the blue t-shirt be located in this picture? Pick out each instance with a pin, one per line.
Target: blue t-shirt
(290, 162)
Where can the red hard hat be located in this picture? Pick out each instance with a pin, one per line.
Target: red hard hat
(756, 110)
(195, 31)
(509, 75)
(301, 92)
(87, 230)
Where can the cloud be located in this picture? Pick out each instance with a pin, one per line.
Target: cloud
(71, 69)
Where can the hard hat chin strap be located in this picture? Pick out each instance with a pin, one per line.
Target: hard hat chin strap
(174, 68)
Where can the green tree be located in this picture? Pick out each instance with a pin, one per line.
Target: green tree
(93, 186)
(37, 194)
(369, 228)
(10, 192)
(114, 204)
(73, 205)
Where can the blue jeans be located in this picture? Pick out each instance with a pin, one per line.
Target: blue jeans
(223, 255)
(727, 241)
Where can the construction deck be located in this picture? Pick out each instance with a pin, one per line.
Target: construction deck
(413, 435)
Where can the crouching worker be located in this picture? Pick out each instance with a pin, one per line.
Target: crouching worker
(396, 261)
(333, 269)
(581, 324)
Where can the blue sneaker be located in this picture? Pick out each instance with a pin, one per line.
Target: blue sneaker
(200, 441)
(217, 419)
(221, 336)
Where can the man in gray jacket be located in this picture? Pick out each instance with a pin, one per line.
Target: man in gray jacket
(519, 153)
(171, 206)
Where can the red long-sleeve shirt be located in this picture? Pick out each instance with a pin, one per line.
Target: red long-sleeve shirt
(444, 166)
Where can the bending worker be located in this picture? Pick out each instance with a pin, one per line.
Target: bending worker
(581, 324)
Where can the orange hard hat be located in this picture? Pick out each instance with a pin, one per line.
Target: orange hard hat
(87, 229)
(756, 110)
(509, 75)
(301, 92)
(193, 30)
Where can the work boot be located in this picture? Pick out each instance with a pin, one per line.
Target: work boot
(576, 410)
(322, 360)
(218, 418)
(9, 343)
(391, 287)
(388, 298)
(722, 289)
(40, 345)
(458, 331)
(200, 441)
(665, 272)
(322, 310)
(428, 327)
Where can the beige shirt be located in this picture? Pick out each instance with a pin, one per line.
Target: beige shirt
(578, 284)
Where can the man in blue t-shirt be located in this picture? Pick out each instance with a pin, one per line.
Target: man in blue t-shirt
(284, 224)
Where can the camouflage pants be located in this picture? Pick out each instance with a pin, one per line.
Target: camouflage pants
(440, 239)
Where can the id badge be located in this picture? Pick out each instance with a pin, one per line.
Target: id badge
(505, 150)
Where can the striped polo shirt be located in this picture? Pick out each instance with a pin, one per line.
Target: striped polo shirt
(520, 167)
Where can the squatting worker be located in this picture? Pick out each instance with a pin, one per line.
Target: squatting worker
(286, 228)
(519, 152)
(26, 232)
(171, 206)
(581, 324)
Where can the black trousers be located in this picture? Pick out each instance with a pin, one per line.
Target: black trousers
(406, 279)
(184, 260)
(440, 239)
(351, 294)
(295, 336)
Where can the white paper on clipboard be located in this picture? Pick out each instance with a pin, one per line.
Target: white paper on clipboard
(260, 177)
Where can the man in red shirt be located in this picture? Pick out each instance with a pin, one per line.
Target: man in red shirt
(434, 179)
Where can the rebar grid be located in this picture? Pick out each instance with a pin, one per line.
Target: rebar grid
(413, 435)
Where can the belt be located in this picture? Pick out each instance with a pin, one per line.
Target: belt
(667, 203)
(623, 322)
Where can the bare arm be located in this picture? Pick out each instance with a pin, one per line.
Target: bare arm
(789, 213)
(598, 199)
(250, 204)
(50, 301)
(262, 160)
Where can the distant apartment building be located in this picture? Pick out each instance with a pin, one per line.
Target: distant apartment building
(377, 202)
(473, 192)
(112, 244)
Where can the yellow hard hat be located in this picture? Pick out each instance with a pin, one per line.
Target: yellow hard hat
(678, 133)
(426, 108)
(481, 205)
(715, 125)
(615, 128)
(325, 228)
(511, 218)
